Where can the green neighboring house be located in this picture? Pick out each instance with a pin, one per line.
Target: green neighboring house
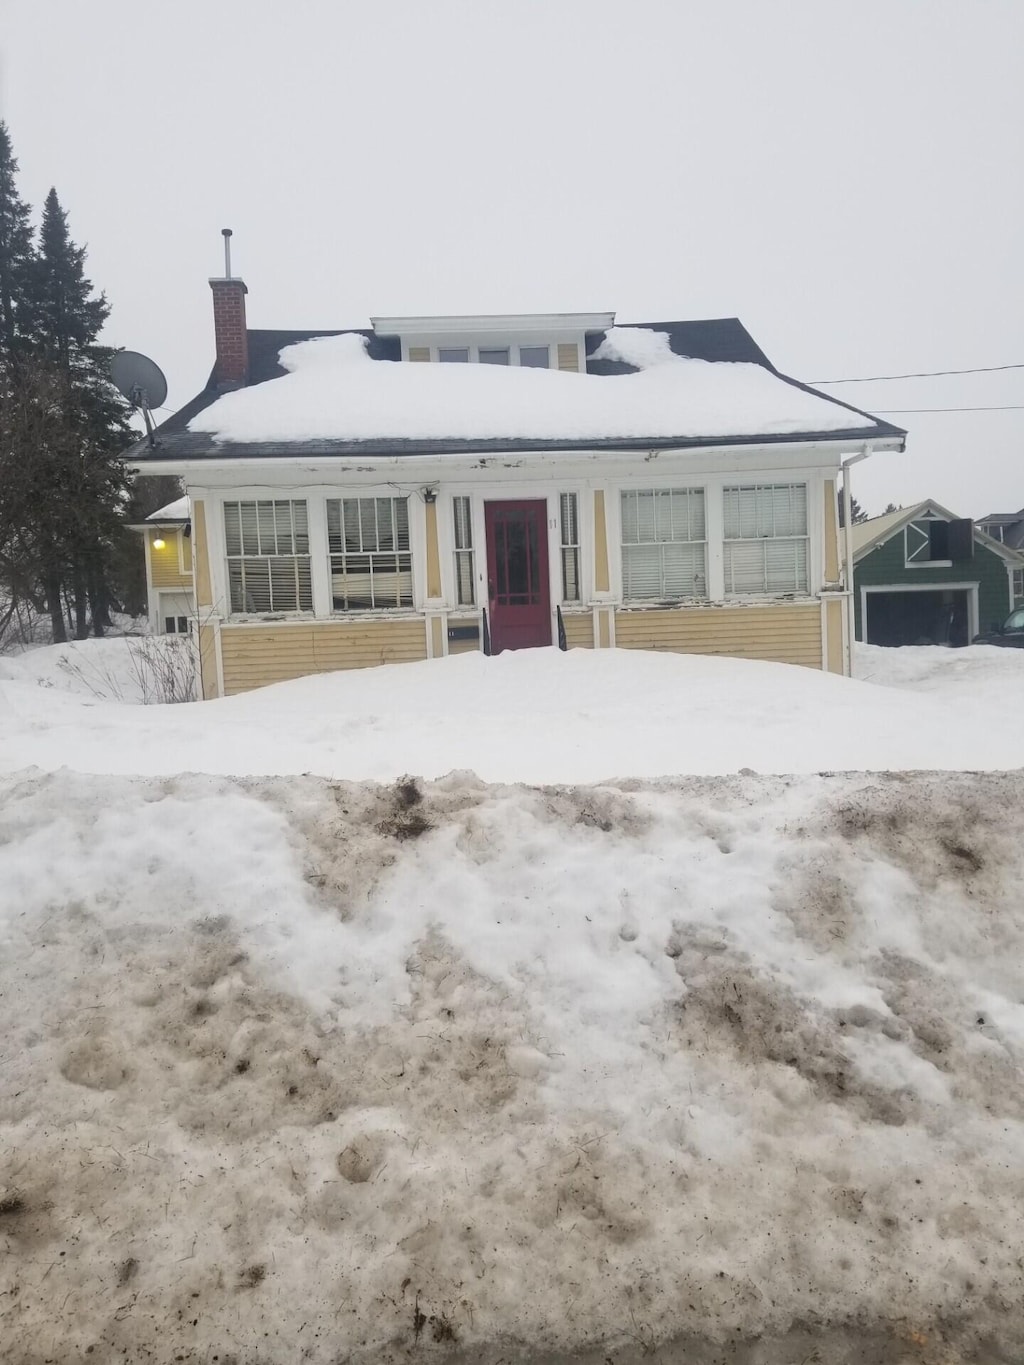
(923, 576)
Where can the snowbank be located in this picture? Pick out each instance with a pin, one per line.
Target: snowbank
(119, 668)
(333, 390)
(293, 1070)
(544, 716)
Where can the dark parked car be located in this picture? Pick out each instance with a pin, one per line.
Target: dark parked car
(1010, 633)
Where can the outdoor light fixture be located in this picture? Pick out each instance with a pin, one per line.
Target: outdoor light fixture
(159, 542)
(430, 495)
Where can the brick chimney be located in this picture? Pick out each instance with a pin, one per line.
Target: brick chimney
(231, 370)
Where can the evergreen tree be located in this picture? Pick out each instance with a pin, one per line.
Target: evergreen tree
(66, 319)
(15, 254)
(63, 485)
(857, 513)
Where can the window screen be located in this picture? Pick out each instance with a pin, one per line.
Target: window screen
(268, 556)
(766, 541)
(663, 544)
(371, 559)
(570, 524)
(464, 565)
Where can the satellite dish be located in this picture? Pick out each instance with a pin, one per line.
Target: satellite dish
(141, 381)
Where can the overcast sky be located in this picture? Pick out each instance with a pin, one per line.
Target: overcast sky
(843, 175)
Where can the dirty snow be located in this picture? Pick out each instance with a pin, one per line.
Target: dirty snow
(334, 391)
(730, 1066)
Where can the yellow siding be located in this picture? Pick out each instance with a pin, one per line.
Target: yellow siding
(834, 628)
(208, 661)
(601, 578)
(419, 352)
(568, 356)
(831, 534)
(204, 590)
(433, 556)
(463, 647)
(786, 633)
(255, 656)
(165, 564)
(579, 631)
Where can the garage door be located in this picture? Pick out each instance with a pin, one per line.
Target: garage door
(939, 617)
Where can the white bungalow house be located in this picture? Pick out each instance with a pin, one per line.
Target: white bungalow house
(431, 485)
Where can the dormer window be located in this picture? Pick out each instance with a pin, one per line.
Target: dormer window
(493, 355)
(453, 355)
(535, 357)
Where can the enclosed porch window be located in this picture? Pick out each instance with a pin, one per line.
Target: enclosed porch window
(267, 547)
(663, 544)
(766, 539)
(370, 554)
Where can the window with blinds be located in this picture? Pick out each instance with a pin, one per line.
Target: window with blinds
(570, 523)
(370, 555)
(766, 540)
(464, 563)
(663, 544)
(268, 556)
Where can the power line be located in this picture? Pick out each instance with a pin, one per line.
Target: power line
(998, 407)
(922, 374)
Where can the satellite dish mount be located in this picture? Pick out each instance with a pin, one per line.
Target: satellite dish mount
(141, 381)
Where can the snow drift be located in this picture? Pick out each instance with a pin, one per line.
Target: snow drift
(300, 1070)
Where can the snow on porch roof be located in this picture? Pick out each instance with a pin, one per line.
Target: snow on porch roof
(333, 391)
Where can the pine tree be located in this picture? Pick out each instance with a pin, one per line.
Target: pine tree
(63, 485)
(66, 319)
(15, 254)
(857, 513)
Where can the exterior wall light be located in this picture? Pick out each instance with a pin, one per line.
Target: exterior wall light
(159, 543)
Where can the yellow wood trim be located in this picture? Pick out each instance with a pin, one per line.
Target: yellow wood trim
(831, 534)
(601, 576)
(568, 357)
(834, 636)
(419, 352)
(604, 629)
(433, 554)
(208, 661)
(204, 589)
(436, 637)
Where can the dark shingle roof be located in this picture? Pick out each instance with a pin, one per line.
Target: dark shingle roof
(713, 339)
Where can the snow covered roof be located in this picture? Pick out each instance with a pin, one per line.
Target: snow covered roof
(178, 510)
(664, 385)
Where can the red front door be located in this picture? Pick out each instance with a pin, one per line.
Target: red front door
(518, 593)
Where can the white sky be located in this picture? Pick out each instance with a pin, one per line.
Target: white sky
(845, 177)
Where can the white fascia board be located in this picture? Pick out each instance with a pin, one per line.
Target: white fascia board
(431, 468)
(486, 324)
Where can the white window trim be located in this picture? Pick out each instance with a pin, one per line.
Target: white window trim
(361, 613)
(714, 524)
(970, 588)
(261, 495)
(677, 487)
(924, 563)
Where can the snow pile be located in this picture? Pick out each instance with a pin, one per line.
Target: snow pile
(178, 510)
(334, 391)
(137, 670)
(541, 715)
(335, 1072)
(639, 346)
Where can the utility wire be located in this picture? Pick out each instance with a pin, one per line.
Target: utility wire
(999, 407)
(922, 374)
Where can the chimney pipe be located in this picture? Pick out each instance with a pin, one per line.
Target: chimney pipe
(231, 370)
